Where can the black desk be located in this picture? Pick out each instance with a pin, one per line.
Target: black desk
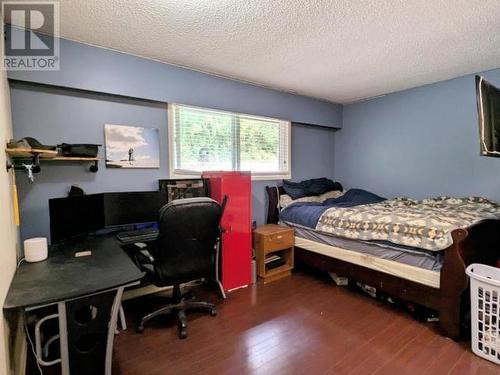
(77, 284)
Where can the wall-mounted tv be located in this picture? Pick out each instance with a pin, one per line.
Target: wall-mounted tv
(488, 108)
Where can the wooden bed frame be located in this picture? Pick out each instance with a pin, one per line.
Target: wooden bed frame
(476, 244)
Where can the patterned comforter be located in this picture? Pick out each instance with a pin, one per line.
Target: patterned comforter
(426, 224)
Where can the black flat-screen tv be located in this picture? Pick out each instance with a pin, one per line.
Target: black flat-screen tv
(488, 108)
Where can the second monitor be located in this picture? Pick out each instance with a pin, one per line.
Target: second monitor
(132, 207)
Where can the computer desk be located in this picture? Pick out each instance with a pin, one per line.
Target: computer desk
(87, 292)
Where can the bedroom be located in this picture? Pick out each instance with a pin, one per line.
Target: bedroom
(375, 95)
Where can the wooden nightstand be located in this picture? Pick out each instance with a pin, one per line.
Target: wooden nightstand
(269, 240)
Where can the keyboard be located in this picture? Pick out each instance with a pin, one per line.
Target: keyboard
(142, 235)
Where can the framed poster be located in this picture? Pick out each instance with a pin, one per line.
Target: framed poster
(132, 146)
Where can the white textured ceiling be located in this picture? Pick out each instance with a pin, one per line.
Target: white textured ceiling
(338, 50)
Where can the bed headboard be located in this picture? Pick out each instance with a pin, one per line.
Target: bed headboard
(273, 198)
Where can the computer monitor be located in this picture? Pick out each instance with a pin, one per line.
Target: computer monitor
(185, 188)
(132, 207)
(72, 216)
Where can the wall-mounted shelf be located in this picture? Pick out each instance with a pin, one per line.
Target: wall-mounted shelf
(29, 160)
(23, 153)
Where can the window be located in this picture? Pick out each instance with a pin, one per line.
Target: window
(203, 139)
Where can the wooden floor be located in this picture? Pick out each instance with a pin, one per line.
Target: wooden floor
(298, 325)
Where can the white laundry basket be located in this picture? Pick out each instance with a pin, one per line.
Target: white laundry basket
(485, 303)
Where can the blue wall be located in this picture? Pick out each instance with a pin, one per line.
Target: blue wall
(73, 105)
(54, 115)
(419, 142)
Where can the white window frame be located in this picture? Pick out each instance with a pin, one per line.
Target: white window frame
(257, 176)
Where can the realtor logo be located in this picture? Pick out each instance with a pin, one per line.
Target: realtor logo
(32, 39)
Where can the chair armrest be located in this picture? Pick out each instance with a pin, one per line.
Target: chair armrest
(143, 256)
(145, 262)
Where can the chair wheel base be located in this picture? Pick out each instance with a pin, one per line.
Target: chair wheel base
(183, 333)
(140, 329)
(213, 312)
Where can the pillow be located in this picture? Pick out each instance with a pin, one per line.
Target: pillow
(286, 200)
(315, 186)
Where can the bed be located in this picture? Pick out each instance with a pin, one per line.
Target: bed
(434, 279)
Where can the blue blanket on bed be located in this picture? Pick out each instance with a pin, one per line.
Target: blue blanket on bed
(308, 213)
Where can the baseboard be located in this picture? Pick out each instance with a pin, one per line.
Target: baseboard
(144, 291)
(151, 289)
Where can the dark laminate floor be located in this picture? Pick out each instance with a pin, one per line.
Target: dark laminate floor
(299, 325)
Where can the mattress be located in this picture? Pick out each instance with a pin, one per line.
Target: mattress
(428, 260)
(379, 257)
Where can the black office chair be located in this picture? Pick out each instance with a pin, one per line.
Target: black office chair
(186, 250)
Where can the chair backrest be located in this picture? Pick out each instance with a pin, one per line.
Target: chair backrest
(185, 249)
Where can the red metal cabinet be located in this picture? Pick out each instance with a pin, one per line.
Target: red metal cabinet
(236, 254)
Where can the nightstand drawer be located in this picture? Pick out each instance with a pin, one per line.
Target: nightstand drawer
(278, 241)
